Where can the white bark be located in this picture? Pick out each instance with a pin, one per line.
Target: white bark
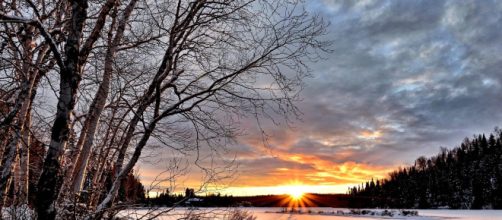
(17, 147)
(99, 101)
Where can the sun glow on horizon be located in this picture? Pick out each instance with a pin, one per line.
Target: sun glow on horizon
(299, 195)
(296, 195)
(295, 191)
(285, 189)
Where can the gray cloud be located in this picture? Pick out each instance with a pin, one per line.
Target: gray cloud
(424, 73)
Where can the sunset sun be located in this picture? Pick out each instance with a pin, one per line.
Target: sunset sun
(295, 195)
(295, 192)
(298, 195)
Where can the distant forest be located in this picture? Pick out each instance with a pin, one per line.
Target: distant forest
(466, 177)
(189, 199)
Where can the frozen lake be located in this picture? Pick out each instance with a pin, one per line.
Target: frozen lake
(268, 214)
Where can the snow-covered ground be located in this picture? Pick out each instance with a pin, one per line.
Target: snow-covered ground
(271, 214)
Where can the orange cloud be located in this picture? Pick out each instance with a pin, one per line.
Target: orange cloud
(323, 172)
(267, 167)
(370, 134)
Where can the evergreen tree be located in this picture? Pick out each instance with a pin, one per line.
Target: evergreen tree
(466, 177)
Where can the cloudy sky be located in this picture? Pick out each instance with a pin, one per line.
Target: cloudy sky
(404, 79)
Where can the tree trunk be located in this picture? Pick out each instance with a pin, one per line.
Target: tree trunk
(50, 181)
(24, 156)
(99, 101)
(25, 115)
(17, 149)
(74, 155)
(7, 163)
(107, 202)
(20, 133)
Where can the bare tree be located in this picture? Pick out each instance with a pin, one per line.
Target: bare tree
(86, 138)
(178, 73)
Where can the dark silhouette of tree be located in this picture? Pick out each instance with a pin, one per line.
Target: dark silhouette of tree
(190, 193)
(131, 190)
(466, 177)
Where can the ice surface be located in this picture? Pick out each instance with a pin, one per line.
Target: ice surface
(270, 214)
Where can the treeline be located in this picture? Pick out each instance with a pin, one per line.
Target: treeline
(466, 177)
(168, 199)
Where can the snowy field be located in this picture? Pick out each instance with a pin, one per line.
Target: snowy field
(270, 214)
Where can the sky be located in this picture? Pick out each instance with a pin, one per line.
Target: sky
(404, 79)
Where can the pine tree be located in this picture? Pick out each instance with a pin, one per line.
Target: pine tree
(467, 177)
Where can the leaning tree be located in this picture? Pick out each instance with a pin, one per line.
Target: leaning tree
(120, 75)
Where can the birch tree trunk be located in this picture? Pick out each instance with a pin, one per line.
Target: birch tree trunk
(17, 144)
(21, 191)
(99, 101)
(23, 163)
(16, 156)
(70, 76)
(92, 115)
